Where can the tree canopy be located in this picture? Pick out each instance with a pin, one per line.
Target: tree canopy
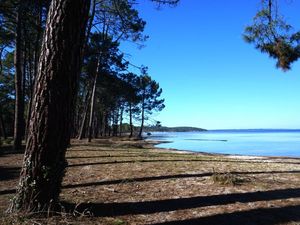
(271, 34)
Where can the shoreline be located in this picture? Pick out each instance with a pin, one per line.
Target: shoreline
(134, 181)
(235, 156)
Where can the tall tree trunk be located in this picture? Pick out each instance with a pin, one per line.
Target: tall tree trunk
(53, 103)
(19, 104)
(2, 125)
(93, 98)
(90, 25)
(130, 120)
(143, 119)
(95, 127)
(25, 61)
(121, 121)
(103, 124)
(83, 122)
(87, 36)
(32, 76)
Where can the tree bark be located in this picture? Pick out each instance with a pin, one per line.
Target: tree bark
(52, 106)
(19, 103)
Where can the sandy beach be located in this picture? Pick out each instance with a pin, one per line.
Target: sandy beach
(121, 181)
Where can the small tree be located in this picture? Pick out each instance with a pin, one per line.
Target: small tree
(149, 93)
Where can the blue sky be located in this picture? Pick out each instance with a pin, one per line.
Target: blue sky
(210, 77)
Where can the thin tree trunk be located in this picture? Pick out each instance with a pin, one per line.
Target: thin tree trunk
(121, 121)
(53, 104)
(19, 104)
(25, 61)
(38, 37)
(95, 128)
(90, 24)
(2, 126)
(32, 75)
(30, 87)
(143, 118)
(93, 98)
(86, 109)
(103, 124)
(114, 123)
(130, 120)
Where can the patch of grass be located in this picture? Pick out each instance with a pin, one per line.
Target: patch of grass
(118, 222)
(226, 179)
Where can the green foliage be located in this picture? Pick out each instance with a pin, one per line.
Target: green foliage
(173, 129)
(150, 92)
(119, 19)
(118, 222)
(272, 35)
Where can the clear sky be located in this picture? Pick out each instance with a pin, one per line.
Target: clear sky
(210, 77)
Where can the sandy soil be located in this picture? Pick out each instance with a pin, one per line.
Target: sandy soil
(120, 181)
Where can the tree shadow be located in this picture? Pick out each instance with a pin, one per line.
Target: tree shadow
(8, 149)
(9, 173)
(261, 216)
(106, 156)
(98, 150)
(173, 160)
(164, 177)
(149, 207)
(91, 145)
(9, 191)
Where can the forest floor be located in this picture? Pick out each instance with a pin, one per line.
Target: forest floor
(121, 181)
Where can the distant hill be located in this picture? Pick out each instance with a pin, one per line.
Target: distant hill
(172, 129)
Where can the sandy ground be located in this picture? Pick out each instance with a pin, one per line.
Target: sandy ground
(114, 181)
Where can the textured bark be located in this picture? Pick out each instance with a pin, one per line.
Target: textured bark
(19, 101)
(52, 106)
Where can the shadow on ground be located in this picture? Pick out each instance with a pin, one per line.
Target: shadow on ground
(12, 173)
(9, 173)
(262, 216)
(175, 176)
(171, 160)
(149, 207)
(8, 149)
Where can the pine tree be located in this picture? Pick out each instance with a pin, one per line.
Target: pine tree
(49, 130)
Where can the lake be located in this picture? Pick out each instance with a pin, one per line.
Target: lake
(241, 142)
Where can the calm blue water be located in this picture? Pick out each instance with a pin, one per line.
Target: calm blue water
(242, 142)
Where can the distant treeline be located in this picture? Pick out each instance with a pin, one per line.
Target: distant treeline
(172, 129)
